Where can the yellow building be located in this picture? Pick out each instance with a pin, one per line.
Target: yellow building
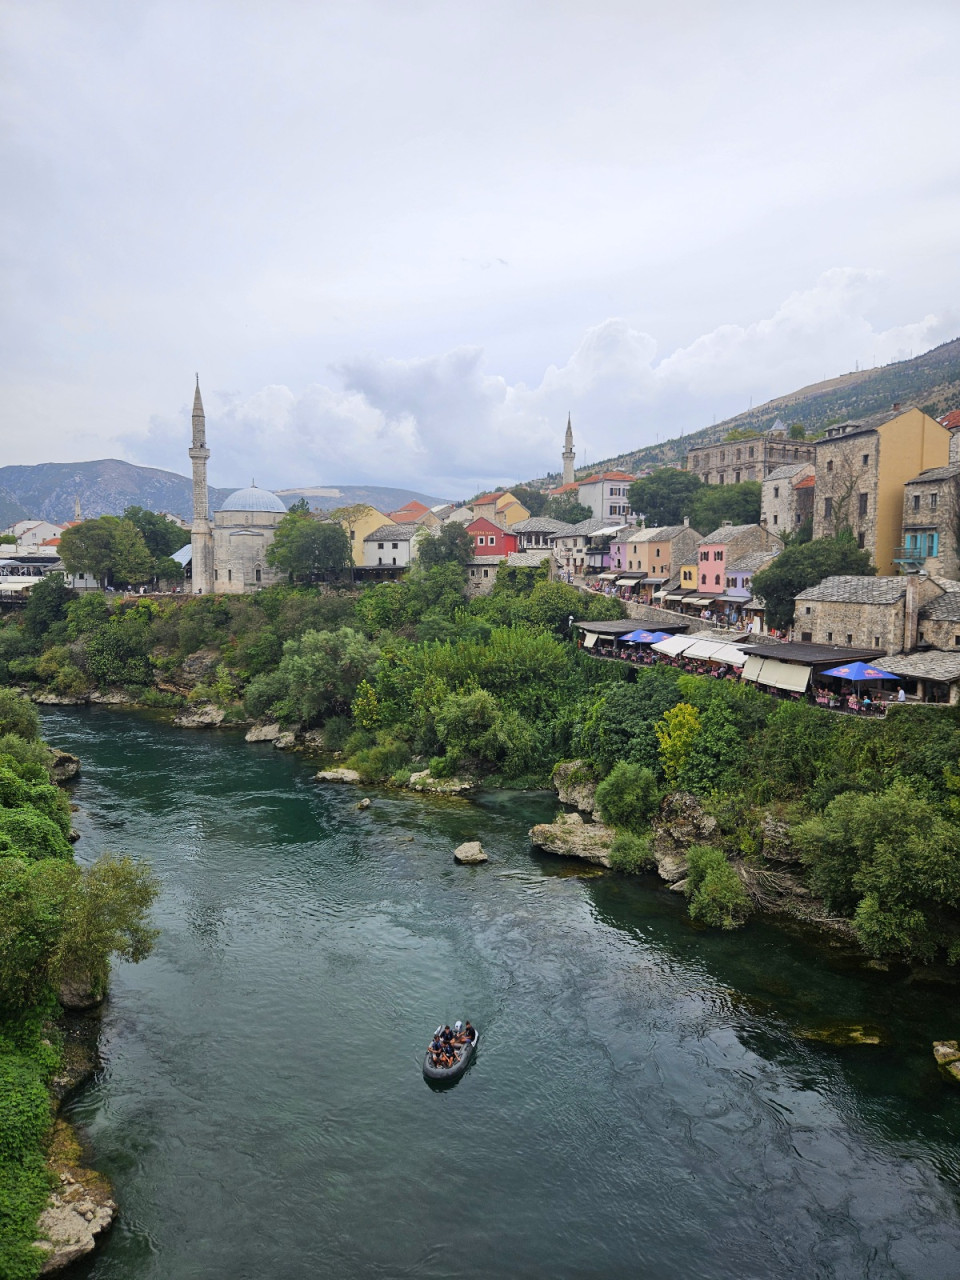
(356, 523)
(501, 508)
(861, 471)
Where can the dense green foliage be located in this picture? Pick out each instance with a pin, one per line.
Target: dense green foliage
(628, 797)
(112, 549)
(714, 503)
(308, 548)
(451, 544)
(58, 922)
(804, 564)
(665, 497)
(713, 887)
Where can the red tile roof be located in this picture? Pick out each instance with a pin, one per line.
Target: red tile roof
(487, 499)
(608, 475)
(806, 483)
(409, 513)
(951, 419)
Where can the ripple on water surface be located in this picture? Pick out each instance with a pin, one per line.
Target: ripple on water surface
(642, 1103)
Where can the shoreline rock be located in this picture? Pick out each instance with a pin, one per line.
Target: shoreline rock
(65, 766)
(79, 1211)
(263, 733)
(570, 837)
(575, 785)
(206, 717)
(946, 1054)
(338, 775)
(424, 781)
(681, 823)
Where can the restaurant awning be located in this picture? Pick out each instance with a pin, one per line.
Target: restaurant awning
(778, 675)
(628, 582)
(673, 595)
(752, 667)
(730, 653)
(673, 647)
(703, 649)
(590, 639)
(607, 577)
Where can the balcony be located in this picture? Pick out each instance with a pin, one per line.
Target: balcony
(912, 555)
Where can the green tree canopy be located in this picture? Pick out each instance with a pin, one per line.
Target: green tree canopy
(161, 535)
(112, 549)
(535, 500)
(567, 508)
(451, 545)
(46, 604)
(664, 497)
(306, 547)
(803, 565)
(714, 503)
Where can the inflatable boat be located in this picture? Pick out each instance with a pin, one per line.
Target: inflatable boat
(464, 1058)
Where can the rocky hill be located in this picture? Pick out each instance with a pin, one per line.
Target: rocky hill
(930, 381)
(50, 489)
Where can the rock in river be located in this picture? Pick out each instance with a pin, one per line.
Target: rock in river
(470, 853)
(571, 837)
(947, 1055)
(575, 784)
(262, 733)
(337, 775)
(208, 717)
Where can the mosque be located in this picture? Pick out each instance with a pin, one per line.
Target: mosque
(229, 554)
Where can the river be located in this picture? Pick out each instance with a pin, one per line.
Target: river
(643, 1102)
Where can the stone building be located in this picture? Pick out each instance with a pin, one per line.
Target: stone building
(939, 619)
(228, 556)
(392, 544)
(870, 613)
(861, 471)
(540, 531)
(784, 502)
(503, 508)
(733, 461)
(931, 523)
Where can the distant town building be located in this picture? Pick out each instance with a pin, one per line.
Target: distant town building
(733, 461)
(931, 511)
(502, 508)
(879, 613)
(726, 546)
(607, 494)
(490, 539)
(861, 471)
(392, 545)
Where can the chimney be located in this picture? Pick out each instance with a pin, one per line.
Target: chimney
(911, 610)
(763, 522)
(725, 523)
(686, 522)
(896, 406)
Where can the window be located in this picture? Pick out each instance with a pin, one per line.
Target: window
(796, 454)
(486, 573)
(866, 459)
(481, 541)
(704, 555)
(933, 501)
(876, 642)
(776, 518)
(216, 574)
(492, 540)
(861, 505)
(739, 454)
(861, 540)
(827, 508)
(723, 455)
(703, 579)
(750, 452)
(776, 491)
(731, 582)
(722, 479)
(829, 464)
(736, 477)
(718, 555)
(806, 636)
(716, 580)
(806, 608)
(394, 559)
(916, 502)
(380, 559)
(258, 575)
(393, 547)
(229, 575)
(379, 546)
(353, 535)
(829, 637)
(658, 553)
(849, 638)
(931, 544)
(956, 640)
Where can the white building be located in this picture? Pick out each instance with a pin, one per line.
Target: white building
(607, 494)
(392, 545)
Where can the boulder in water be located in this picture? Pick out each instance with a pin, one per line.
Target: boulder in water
(947, 1056)
(470, 853)
(263, 733)
(337, 775)
(64, 766)
(571, 837)
(207, 717)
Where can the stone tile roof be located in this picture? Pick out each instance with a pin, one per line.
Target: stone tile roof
(925, 666)
(528, 559)
(727, 532)
(754, 562)
(847, 589)
(394, 533)
(937, 473)
(945, 608)
(661, 533)
(787, 471)
(593, 524)
(542, 524)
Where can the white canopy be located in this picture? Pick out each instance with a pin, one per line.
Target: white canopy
(673, 646)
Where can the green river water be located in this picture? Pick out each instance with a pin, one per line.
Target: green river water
(642, 1104)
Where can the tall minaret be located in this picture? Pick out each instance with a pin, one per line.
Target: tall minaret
(568, 454)
(202, 534)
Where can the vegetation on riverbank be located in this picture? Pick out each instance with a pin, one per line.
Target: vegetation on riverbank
(59, 924)
(411, 675)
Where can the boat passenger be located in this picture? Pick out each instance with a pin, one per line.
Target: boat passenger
(469, 1032)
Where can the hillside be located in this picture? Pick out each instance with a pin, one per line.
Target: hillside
(50, 489)
(930, 381)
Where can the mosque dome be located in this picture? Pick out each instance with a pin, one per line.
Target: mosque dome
(254, 499)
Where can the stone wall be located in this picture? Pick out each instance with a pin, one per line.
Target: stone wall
(865, 626)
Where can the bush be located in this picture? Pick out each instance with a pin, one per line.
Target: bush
(336, 732)
(266, 694)
(631, 853)
(27, 833)
(716, 896)
(18, 716)
(628, 797)
(374, 764)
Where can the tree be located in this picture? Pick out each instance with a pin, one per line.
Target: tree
(716, 896)
(88, 548)
(797, 431)
(567, 508)
(451, 545)
(664, 497)
(714, 503)
(46, 604)
(677, 732)
(161, 535)
(803, 565)
(132, 561)
(535, 500)
(8, 539)
(324, 669)
(306, 547)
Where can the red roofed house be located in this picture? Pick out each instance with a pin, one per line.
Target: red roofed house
(491, 539)
(414, 513)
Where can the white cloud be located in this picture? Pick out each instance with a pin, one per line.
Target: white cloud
(445, 424)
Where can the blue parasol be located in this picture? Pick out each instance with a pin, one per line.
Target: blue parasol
(860, 671)
(645, 637)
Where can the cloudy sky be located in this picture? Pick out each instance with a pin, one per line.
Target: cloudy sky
(400, 239)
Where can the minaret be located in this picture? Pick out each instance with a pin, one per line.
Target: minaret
(76, 509)
(202, 534)
(568, 454)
